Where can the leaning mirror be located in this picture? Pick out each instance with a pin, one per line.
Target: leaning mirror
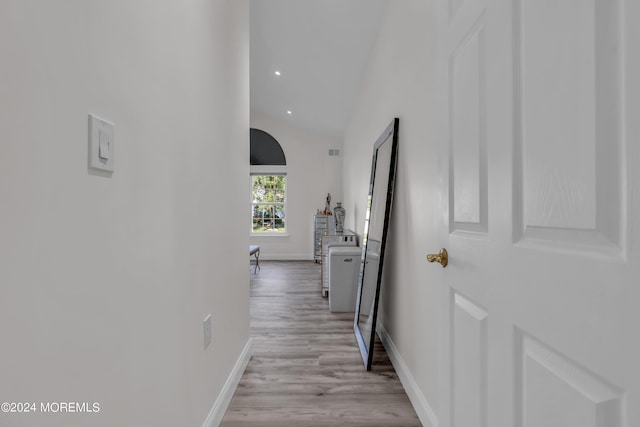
(374, 237)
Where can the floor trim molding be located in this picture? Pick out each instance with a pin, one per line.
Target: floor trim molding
(426, 415)
(286, 257)
(224, 398)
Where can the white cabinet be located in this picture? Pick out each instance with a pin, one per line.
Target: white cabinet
(344, 267)
(347, 238)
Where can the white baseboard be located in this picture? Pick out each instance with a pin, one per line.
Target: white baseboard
(286, 257)
(224, 398)
(426, 415)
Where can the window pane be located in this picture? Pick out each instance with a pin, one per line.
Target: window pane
(268, 194)
(268, 188)
(279, 224)
(268, 219)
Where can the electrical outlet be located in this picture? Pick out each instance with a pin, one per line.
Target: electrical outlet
(206, 327)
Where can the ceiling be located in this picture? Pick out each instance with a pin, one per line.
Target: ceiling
(321, 49)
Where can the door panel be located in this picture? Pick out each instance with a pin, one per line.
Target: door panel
(567, 123)
(557, 392)
(541, 201)
(468, 165)
(469, 373)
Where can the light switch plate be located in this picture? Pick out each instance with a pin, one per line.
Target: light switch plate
(101, 144)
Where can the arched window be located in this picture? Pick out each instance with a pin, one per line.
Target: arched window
(265, 150)
(268, 184)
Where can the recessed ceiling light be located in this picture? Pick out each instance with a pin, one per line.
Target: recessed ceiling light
(277, 73)
(289, 112)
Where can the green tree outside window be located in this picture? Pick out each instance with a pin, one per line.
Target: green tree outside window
(268, 195)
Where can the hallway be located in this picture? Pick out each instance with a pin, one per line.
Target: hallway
(306, 369)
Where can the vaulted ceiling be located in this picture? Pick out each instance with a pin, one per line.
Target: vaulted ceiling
(320, 49)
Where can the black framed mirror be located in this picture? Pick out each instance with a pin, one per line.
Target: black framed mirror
(374, 238)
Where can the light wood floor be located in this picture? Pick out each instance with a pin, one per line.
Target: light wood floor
(306, 369)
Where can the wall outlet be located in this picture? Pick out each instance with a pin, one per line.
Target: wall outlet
(206, 327)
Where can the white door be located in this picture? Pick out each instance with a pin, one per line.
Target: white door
(541, 124)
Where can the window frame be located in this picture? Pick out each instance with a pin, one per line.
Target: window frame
(266, 171)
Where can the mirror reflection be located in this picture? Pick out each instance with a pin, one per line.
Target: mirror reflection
(374, 238)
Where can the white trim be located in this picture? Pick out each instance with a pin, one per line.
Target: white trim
(426, 415)
(224, 398)
(286, 257)
(268, 170)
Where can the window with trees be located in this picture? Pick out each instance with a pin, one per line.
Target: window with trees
(268, 184)
(268, 205)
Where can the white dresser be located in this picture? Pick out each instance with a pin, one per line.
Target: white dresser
(347, 238)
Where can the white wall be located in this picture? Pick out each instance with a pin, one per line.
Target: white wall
(105, 280)
(311, 174)
(401, 82)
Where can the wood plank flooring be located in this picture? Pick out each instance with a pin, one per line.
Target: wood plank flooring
(306, 369)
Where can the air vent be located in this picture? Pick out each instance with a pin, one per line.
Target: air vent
(334, 152)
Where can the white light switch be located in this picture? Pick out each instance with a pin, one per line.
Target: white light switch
(101, 144)
(206, 326)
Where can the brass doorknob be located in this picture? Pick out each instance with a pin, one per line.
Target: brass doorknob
(442, 257)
